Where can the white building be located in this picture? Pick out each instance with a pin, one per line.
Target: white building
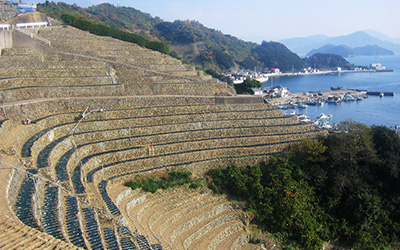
(377, 66)
(277, 91)
(258, 91)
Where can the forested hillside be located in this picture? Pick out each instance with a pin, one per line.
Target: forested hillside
(327, 61)
(343, 189)
(209, 48)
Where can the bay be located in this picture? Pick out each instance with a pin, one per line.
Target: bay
(374, 110)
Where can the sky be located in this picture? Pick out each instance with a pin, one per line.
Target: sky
(258, 20)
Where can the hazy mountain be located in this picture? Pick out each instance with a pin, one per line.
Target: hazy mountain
(356, 39)
(341, 50)
(300, 42)
(346, 51)
(372, 50)
(381, 36)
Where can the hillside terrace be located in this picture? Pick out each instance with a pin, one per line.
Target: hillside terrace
(102, 111)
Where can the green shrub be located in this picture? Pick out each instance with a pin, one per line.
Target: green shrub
(133, 184)
(149, 185)
(103, 30)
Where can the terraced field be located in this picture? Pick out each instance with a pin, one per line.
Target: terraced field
(102, 111)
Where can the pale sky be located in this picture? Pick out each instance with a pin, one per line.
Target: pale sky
(257, 20)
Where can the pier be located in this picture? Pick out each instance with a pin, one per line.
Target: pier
(384, 93)
(316, 98)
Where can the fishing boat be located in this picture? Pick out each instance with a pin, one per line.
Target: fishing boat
(315, 103)
(302, 106)
(334, 99)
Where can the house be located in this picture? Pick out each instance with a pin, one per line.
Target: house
(277, 91)
(275, 71)
(258, 91)
(377, 66)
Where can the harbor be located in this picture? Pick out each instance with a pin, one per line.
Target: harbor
(297, 104)
(303, 99)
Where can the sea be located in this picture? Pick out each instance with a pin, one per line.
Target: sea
(374, 110)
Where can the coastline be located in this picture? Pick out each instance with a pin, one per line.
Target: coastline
(303, 97)
(374, 110)
(325, 72)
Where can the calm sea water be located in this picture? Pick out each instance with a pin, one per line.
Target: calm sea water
(372, 111)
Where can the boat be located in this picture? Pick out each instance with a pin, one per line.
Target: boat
(304, 119)
(322, 121)
(302, 106)
(381, 94)
(322, 116)
(334, 99)
(348, 98)
(359, 97)
(315, 103)
(331, 99)
(262, 78)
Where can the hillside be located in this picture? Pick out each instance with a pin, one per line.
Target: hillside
(195, 43)
(28, 18)
(89, 113)
(327, 61)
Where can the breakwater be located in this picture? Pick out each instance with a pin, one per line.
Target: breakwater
(380, 93)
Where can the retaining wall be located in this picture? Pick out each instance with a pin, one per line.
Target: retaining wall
(24, 41)
(23, 110)
(6, 39)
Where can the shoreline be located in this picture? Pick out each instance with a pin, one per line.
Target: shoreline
(305, 97)
(326, 72)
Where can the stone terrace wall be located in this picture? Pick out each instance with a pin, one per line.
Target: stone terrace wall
(7, 11)
(135, 66)
(41, 108)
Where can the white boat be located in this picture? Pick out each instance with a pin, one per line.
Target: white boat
(322, 116)
(333, 99)
(302, 106)
(304, 119)
(347, 98)
(262, 79)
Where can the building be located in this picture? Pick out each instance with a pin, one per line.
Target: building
(276, 91)
(258, 91)
(275, 71)
(377, 66)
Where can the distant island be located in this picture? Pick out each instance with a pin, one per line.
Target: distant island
(360, 39)
(346, 51)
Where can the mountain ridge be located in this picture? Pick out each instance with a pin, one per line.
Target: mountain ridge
(206, 47)
(302, 45)
(346, 51)
(190, 41)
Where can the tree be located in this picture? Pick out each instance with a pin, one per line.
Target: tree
(246, 87)
(343, 187)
